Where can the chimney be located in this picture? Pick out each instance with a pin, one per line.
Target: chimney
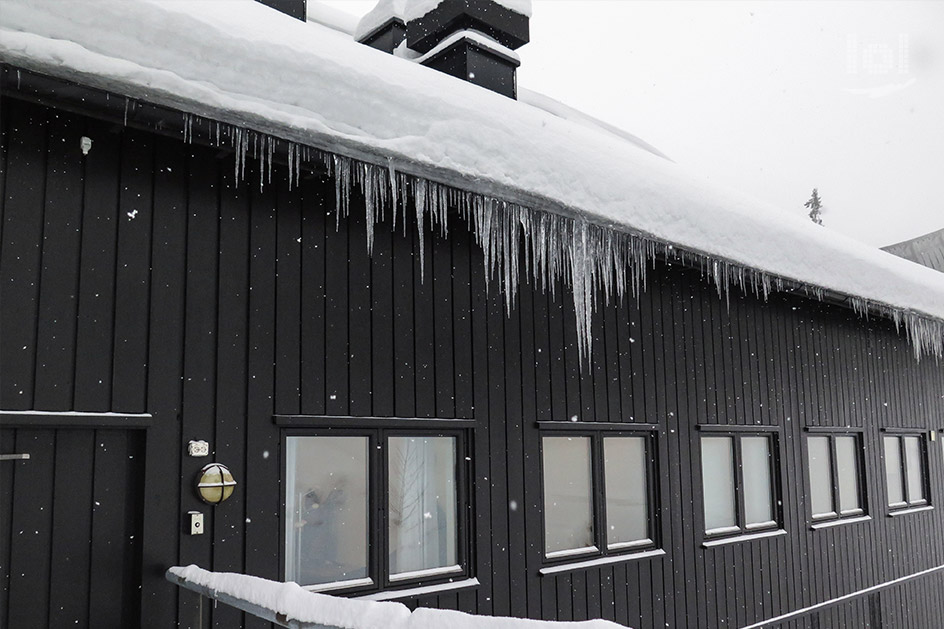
(473, 40)
(293, 8)
(383, 27)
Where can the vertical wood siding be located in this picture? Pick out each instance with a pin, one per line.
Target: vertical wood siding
(142, 278)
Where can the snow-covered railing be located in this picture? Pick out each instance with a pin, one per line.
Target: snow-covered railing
(289, 605)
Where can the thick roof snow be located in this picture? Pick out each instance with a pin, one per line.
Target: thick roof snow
(252, 66)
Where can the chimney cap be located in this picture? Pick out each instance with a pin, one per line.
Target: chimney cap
(380, 16)
(430, 21)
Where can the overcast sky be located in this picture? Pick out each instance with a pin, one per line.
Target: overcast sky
(772, 98)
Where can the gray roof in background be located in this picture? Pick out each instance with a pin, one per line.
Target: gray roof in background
(927, 250)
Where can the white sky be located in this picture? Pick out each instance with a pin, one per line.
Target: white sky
(772, 98)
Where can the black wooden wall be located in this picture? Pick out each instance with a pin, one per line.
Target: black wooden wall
(141, 279)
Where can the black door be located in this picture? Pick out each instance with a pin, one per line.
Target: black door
(70, 522)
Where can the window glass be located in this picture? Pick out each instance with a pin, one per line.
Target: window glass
(821, 484)
(421, 504)
(847, 468)
(915, 466)
(568, 521)
(627, 517)
(758, 500)
(326, 505)
(896, 494)
(717, 469)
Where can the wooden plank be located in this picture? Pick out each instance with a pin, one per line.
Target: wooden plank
(686, 373)
(620, 586)
(614, 387)
(201, 332)
(263, 457)
(528, 506)
(59, 281)
(403, 325)
(498, 445)
(635, 584)
(72, 529)
(518, 383)
(20, 257)
(697, 414)
(114, 599)
(482, 435)
(4, 142)
(31, 530)
(360, 385)
(579, 403)
(7, 446)
(658, 373)
(315, 216)
(287, 295)
(462, 322)
(229, 522)
(579, 596)
(443, 359)
(424, 326)
(381, 323)
(596, 373)
(133, 272)
(594, 594)
(557, 356)
(624, 358)
(96, 306)
(337, 339)
(162, 524)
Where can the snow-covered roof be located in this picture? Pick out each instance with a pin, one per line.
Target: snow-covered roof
(927, 250)
(303, 82)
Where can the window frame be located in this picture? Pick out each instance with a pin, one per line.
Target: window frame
(601, 550)
(899, 434)
(837, 515)
(377, 431)
(741, 529)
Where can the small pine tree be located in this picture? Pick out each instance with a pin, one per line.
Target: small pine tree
(815, 206)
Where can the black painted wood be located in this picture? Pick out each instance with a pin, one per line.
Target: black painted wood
(205, 310)
(21, 256)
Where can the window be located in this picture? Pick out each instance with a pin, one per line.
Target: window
(834, 463)
(906, 470)
(598, 493)
(367, 509)
(739, 483)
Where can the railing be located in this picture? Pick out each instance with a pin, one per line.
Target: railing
(242, 604)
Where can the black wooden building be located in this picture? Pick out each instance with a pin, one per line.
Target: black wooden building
(692, 461)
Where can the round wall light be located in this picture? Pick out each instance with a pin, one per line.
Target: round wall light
(216, 483)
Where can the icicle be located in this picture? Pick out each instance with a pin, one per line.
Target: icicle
(419, 199)
(188, 128)
(597, 262)
(581, 283)
(393, 187)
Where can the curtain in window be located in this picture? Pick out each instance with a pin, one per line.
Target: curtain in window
(422, 504)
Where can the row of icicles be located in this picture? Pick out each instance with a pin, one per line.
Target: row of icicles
(593, 260)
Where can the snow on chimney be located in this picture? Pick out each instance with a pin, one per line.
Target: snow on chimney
(473, 40)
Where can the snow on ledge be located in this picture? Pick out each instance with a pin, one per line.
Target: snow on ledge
(287, 603)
